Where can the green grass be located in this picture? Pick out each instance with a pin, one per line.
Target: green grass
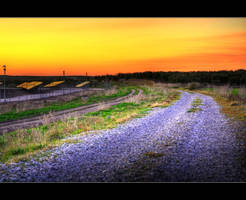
(195, 105)
(232, 107)
(18, 150)
(197, 102)
(234, 92)
(208, 89)
(123, 91)
(121, 111)
(153, 154)
(194, 110)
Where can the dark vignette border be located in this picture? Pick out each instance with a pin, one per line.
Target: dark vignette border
(122, 9)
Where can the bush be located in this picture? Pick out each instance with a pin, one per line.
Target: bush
(194, 85)
(237, 95)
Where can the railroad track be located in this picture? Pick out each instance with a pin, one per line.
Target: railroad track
(36, 97)
(9, 126)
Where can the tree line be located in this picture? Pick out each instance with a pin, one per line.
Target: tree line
(237, 77)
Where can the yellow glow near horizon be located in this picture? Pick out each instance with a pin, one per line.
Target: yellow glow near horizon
(46, 46)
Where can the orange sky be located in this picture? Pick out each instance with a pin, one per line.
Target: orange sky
(46, 46)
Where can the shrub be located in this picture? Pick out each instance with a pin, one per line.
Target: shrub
(234, 92)
(194, 85)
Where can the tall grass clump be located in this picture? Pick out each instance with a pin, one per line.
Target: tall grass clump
(230, 93)
(242, 92)
(231, 99)
(194, 85)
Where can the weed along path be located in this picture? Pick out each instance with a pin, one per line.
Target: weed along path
(58, 115)
(187, 141)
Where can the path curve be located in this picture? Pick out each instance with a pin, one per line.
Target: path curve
(168, 144)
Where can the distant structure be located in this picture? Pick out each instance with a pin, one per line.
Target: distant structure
(64, 79)
(4, 90)
(86, 76)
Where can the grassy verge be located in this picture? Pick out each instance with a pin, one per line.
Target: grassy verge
(234, 109)
(195, 105)
(13, 115)
(232, 105)
(20, 144)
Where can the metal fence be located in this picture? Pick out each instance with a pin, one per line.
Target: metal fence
(18, 94)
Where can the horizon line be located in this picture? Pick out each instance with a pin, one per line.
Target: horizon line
(240, 69)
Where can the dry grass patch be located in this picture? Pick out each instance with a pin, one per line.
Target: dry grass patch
(233, 109)
(111, 91)
(126, 117)
(20, 144)
(136, 98)
(153, 154)
(160, 104)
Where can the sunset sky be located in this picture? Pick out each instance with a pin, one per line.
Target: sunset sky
(46, 46)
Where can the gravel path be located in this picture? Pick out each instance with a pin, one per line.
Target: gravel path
(168, 144)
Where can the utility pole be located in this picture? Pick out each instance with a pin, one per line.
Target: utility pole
(4, 90)
(0, 92)
(64, 80)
